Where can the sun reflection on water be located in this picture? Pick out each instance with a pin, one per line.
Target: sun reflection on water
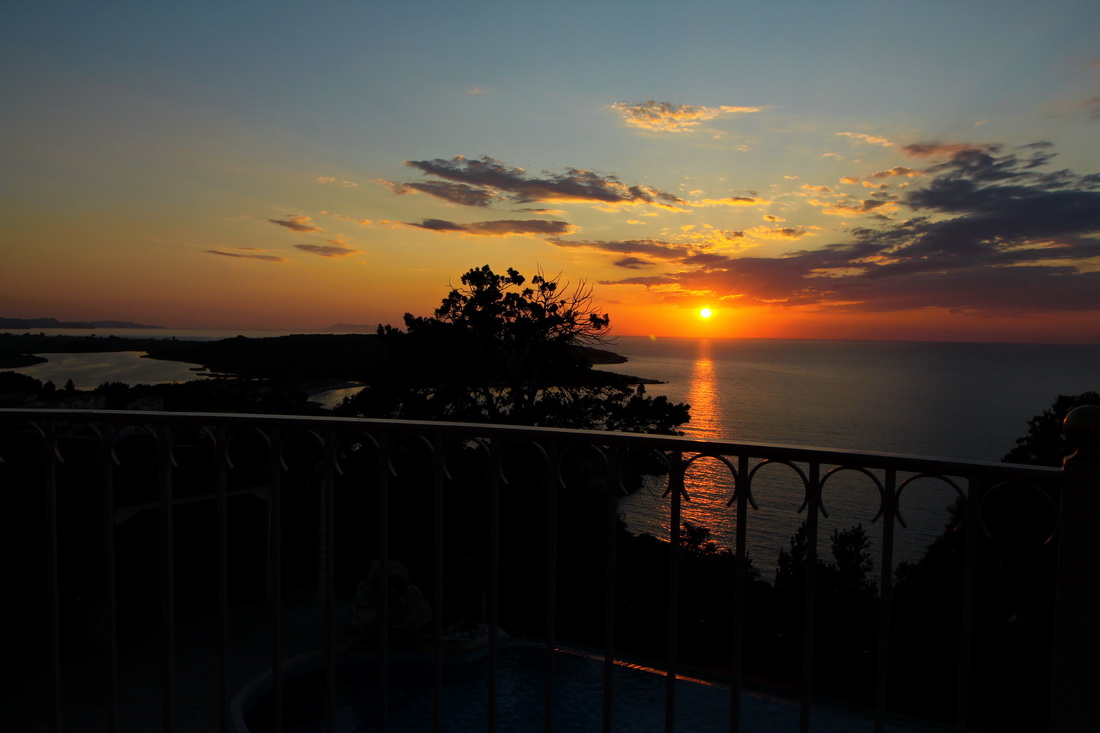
(707, 482)
(703, 396)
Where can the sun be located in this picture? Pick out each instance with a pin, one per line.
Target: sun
(705, 312)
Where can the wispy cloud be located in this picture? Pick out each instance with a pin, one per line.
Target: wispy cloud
(331, 180)
(497, 180)
(297, 223)
(930, 149)
(790, 233)
(246, 253)
(327, 250)
(849, 207)
(868, 139)
(730, 201)
(455, 193)
(668, 117)
(649, 247)
(897, 172)
(633, 263)
(502, 228)
(349, 219)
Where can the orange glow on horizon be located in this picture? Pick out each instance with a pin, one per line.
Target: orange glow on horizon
(931, 324)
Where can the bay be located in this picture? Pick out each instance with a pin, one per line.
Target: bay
(88, 371)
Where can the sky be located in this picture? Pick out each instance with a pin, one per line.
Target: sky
(804, 169)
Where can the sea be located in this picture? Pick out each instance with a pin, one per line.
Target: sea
(946, 400)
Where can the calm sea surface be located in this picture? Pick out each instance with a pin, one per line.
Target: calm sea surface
(948, 400)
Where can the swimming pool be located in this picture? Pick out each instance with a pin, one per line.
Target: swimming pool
(639, 698)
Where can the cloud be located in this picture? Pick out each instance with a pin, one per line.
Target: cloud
(297, 223)
(997, 233)
(326, 180)
(648, 247)
(869, 139)
(350, 219)
(730, 201)
(632, 263)
(455, 193)
(819, 189)
(502, 228)
(667, 117)
(327, 250)
(246, 255)
(865, 206)
(777, 233)
(897, 171)
(929, 149)
(575, 185)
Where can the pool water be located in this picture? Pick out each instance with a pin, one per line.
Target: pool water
(638, 699)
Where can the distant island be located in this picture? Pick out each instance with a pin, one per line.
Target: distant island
(23, 323)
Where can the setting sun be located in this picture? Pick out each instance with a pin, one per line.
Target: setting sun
(705, 313)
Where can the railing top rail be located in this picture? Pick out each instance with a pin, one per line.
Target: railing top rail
(828, 456)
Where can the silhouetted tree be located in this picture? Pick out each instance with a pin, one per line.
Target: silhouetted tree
(499, 351)
(1044, 445)
(848, 576)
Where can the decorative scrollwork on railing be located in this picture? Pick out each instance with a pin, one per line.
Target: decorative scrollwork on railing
(857, 469)
(789, 464)
(901, 487)
(1016, 516)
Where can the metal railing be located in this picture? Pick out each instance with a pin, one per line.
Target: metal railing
(218, 529)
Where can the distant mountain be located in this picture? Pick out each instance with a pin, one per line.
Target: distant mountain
(350, 328)
(54, 323)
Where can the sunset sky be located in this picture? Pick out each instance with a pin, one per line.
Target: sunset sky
(919, 170)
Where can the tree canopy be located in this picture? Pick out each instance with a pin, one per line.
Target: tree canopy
(1044, 444)
(500, 350)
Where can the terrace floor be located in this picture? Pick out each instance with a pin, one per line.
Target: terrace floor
(25, 707)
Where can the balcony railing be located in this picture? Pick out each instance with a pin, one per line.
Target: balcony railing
(159, 564)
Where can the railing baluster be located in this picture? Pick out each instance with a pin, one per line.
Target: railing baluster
(53, 593)
(495, 455)
(328, 519)
(741, 518)
(610, 558)
(553, 483)
(221, 465)
(276, 483)
(676, 492)
(809, 617)
(167, 576)
(886, 593)
(1075, 681)
(106, 456)
(971, 526)
(439, 459)
(384, 467)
